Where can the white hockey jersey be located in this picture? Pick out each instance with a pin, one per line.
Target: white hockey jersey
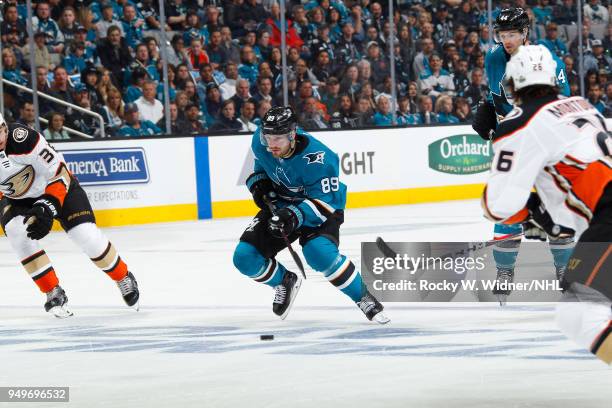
(559, 146)
(30, 167)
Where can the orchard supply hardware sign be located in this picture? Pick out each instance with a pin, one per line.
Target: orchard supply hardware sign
(460, 154)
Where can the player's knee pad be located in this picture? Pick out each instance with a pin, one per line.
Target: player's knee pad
(561, 249)
(89, 238)
(321, 254)
(589, 325)
(18, 238)
(248, 260)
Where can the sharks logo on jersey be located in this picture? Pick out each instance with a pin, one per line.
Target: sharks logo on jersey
(503, 102)
(280, 177)
(18, 184)
(316, 157)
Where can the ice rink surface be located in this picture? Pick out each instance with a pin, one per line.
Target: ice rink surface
(195, 341)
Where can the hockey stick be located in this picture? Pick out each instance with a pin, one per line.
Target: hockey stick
(390, 253)
(294, 255)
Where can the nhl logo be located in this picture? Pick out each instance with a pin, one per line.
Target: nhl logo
(20, 134)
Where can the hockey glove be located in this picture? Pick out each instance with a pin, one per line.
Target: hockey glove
(532, 231)
(539, 217)
(285, 222)
(485, 120)
(39, 218)
(260, 186)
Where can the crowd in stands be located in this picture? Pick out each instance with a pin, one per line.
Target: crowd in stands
(225, 61)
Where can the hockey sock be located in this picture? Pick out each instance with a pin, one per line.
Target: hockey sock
(251, 263)
(33, 258)
(561, 249)
(505, 252)
(97, 247)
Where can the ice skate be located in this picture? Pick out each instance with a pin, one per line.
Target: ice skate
(372, 308)
(57, 303)
(504, 277)
(129, 290)
(285, 294)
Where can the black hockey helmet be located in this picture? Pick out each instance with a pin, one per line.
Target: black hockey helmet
(280, 120)
(514, 18)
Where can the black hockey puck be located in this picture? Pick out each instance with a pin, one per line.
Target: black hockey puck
(266, 337)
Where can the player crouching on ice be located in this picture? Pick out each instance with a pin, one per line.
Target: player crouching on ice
(35, 188)
(560, 146)
(300, 175)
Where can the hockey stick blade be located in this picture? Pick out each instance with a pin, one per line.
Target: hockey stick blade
(294, 255)
(390, 253)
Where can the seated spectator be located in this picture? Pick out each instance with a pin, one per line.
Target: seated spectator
(192, 94)
(303, 73)
(322, 68)
(233, 17)
(252, 13)
(365, 71)
(343, 116)
(171, 85)
(227, 122)
(55, 128)
(476, 91)
(61, 89)
(41, 52)
(42, 21)
(142, 60)
(148, 10)
(176, 14)
(229, 45)
(150, 108)
(181, 101)
(367, 91)
(177, 53)
(75, 61)
(543, 12)
(114, 54)
(552, 42)
(215, 51)
(27, 115)
(105, 82)
(107, 21)
(565, 13)
(292, 37)
(68, 25)
(213, 18)
(383, 115)
(213, 103)
(597, 60)
(178, 126)
(263, 90)
(133, 126)
(364, 113)
(438, 81)
(10, 70)
(194, 123)
(587, 39)
(311, 117)
(463, 110)
(132, 25)
(247, 114)
(262, 49)
(444, 110)
(89, 78)
(426, 114)
(194, 30)
(262, 107)
(242, 93)
(248, 68)
(596, 12)
(12, 24)
(134, 91)
(594, 96)
(608, 100)
(350, 83)
(331, 93)
(405, 114)
(113, 111)
(197, 55)
(79, 120)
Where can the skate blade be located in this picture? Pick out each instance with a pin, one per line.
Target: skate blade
(502, 299)
(135, 306)
(294, 292)
(61, 312)
(380, 318)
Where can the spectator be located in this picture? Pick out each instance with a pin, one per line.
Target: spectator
(27, 115)
(594, 97)
(442, 24)
(213, 20)
(348, 48)
(79, 120)
(177, 53)
(460, 78)
(311, 116)
(192, 114)
(114, 54)
(378, 63)
(543, 12)
(89, 77)
(597, 60)
(107, 21)
(133, 126)
(242, 93)
(303, 73)
(113, 111)
(176, 14)
(68, 25)
(41, 52)
(444, 110)
(181, 101)
(552, 42)
(55, 128)
(149, 107)
(227, 88)
(350, 82)
(476, 91)
(421, 60)
(262, 49)
(194, 29)
(105, 83)
(438, 81)
(262, 107)
(596, 13)
(213, 103)
(227, 122)
(565, 13)
(426, 114)
(229, 46)
(148, 10)
(331, 94)
(215, 51)
(383, 115)
(12, 24)
(178, 126)
(132, 26)
(364, 113)
(323, 68)
(134, 91)
(587, 39)
(42, 21)
(343, 116)
(197, 55)
(248, 67)
(292, 37)
(406, 115)
(74, 62)
(264, 89)
(463, 111)
(607, 40)
(608, 100)
(467, 16)
(61, 89)
(247, 114)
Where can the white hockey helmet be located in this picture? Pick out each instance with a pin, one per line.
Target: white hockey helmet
(3, 124)
(532, 65)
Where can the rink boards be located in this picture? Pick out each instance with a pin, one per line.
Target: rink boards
(139, 181)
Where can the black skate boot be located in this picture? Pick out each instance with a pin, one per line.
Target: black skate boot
(129, 290)
(57, 303)
(560, 272)
(285, 294)
(372, 308)
(505, 276)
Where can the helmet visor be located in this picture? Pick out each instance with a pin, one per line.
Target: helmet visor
(501, 36)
